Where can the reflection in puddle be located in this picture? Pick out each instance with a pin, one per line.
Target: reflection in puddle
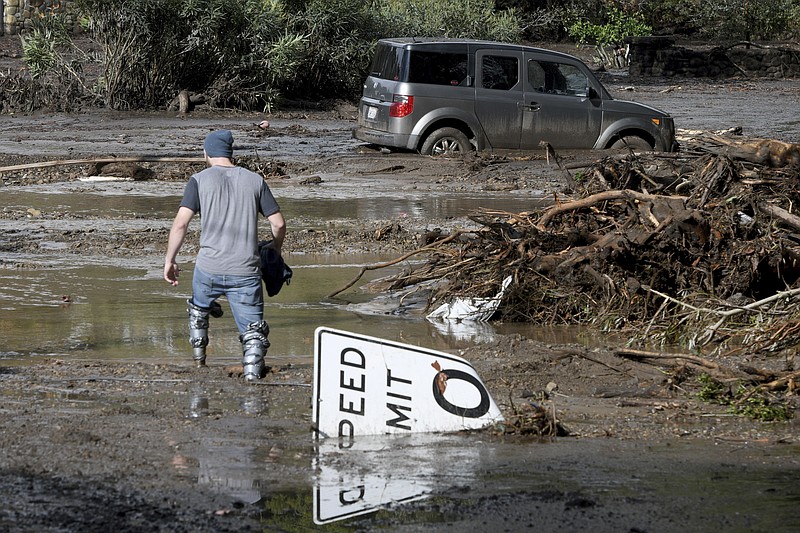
(230, 466)
(473, 482)
(369, 473)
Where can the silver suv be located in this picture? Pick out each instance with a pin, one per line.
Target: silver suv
(444, 96)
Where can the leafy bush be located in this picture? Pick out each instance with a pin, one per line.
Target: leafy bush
(340, 37)
(475, 19)
(746, 401)
(750, 20)
(613, 30)
(238, 51)
(673, 17)
(248, 53)
(55, 65)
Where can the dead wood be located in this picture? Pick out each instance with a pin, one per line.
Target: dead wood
(769, 152)
(607, 196)
(698, 250)
(711, 330)
(184, 103)
(784, 382)
(693, 359)
(66, 162)
(783, 216)
(400, 259)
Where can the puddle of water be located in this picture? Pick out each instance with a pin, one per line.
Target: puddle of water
(108, 308)
(129, 313)
(456, 480)
(87, 308)
(362, 200)
(662, 484)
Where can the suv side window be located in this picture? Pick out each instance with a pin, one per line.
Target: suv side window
(499, 72)
(556, 78)
(438, 68)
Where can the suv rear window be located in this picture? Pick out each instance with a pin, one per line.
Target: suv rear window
(445, 66)
(387, 62)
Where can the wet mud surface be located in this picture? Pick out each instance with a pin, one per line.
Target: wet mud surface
(163, 446)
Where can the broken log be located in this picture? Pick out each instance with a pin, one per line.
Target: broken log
(783, 216)
(605, 196)
(768, 152)
(693, 359)
(66, 162)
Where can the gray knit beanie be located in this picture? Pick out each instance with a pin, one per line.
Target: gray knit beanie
(219, 144)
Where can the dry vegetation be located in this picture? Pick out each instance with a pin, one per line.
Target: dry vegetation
(697, 251)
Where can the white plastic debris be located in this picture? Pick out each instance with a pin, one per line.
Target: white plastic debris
(475, 309)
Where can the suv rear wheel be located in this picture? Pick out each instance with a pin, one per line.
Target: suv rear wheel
(446, 141)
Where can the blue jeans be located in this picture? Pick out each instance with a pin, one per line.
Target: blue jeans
(245, 295)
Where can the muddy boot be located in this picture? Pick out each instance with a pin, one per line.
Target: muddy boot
(198, 329)
(254, 347)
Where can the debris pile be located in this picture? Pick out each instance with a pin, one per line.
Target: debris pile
(679, 248)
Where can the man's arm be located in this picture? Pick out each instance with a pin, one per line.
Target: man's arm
(176, 236)
(278, 226)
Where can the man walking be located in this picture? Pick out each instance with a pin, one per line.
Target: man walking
(228, 199)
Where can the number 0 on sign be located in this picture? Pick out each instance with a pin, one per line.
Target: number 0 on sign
(369, 386)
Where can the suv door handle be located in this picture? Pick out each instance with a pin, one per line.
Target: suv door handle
(533, 106)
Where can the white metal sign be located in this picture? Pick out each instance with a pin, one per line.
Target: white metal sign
(369, 386)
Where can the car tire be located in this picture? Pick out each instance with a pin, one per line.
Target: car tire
(446, 141)
(633, 142)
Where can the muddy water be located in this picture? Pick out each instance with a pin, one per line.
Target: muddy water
(99, 307)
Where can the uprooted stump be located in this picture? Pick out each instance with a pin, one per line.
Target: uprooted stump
(532, 419)
(677, 249)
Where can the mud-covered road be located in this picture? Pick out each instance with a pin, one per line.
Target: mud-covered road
(157, 445)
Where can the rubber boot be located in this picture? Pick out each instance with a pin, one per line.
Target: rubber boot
(254, 348)
(198, 331)
(198, 328)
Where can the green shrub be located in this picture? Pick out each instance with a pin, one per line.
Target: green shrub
(55, 65)
(752, 403)
(612, 31)
(473, 19)
(238, 52)
(340, 38)
(734, 20)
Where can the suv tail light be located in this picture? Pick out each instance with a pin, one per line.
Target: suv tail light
(402, 106)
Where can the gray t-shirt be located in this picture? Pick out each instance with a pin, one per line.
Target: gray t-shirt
(228, 200)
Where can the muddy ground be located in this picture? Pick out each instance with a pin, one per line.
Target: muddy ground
(96, 446)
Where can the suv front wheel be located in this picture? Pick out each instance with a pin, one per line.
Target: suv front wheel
(633, 142)
(446, 141)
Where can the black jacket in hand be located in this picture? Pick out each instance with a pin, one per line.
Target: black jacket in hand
(274, 272)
